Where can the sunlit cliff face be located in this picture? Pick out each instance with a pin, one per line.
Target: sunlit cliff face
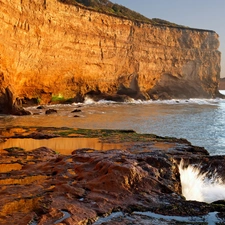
(52, 49)
(199, 186)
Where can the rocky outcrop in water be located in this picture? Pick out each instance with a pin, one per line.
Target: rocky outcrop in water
(50, 49)
(44, 187)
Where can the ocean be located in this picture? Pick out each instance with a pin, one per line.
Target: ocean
(200, 121)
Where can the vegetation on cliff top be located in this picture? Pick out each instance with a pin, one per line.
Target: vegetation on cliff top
(105, 6)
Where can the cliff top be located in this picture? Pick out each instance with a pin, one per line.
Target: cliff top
(107, 7)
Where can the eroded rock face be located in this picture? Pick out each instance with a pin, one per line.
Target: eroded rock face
(9, 105)
(49, 188)
(222, 84)
(49, 48)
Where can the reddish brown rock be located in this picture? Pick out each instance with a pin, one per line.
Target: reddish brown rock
(50, 188)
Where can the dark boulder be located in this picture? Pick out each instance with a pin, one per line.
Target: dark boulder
(76, 110)
(40, 107)
(50, 111)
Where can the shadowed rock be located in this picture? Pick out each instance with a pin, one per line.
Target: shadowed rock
(11, 105)
(76, 110)
(50, 111)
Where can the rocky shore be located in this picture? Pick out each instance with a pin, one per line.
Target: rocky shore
(129, 185)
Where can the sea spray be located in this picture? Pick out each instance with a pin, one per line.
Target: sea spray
(202, 187)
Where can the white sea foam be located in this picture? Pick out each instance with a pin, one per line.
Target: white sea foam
(197, 101)
(88, 101)
(201, 186)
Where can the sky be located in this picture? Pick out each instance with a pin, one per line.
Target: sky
(203, 14)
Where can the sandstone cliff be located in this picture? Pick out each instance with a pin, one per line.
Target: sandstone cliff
(48, 48)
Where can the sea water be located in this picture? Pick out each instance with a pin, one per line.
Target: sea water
(201, 121)
(200, 186)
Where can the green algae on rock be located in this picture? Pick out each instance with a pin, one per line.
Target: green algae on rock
(79, 188)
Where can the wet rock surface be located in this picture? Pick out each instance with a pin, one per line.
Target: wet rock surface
(88, 186)
(50, 111)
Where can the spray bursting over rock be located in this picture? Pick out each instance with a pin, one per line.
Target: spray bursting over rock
(202, 187)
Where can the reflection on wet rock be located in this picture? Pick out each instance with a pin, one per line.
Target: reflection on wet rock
(85, 185)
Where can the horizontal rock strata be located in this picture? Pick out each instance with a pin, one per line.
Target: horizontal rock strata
(50, 49)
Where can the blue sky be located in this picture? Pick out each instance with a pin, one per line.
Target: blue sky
(204, 14)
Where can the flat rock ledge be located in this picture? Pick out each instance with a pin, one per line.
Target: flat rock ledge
(87, 187)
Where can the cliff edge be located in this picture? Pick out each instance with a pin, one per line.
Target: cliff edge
(52, 49)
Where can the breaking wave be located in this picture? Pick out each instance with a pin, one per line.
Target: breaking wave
(202, 187)
(197, 101)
